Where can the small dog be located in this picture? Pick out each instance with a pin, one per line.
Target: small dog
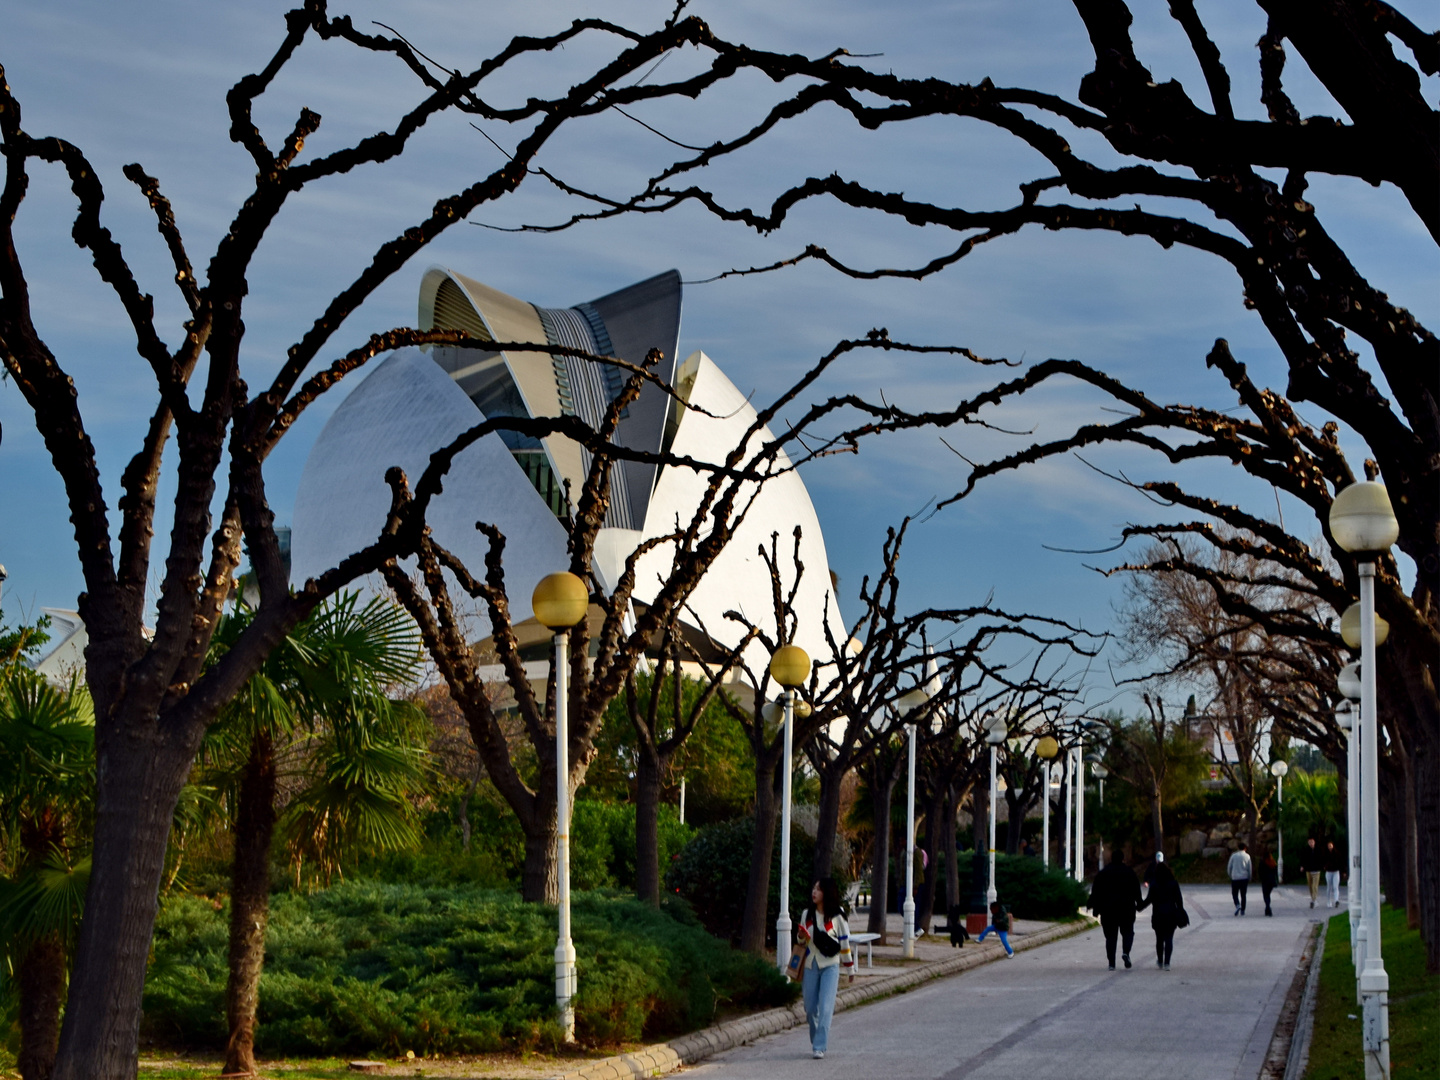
(958, 936)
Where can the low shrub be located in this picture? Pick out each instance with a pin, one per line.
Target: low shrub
(372, 967)
(1028, 889)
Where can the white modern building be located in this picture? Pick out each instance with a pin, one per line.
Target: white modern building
(415, 401)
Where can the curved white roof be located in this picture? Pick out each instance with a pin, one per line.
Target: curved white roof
(415, 402)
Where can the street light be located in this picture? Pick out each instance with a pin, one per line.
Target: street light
(909, 703)
(1278, 769)
(994, 735)
(1363, 523)
(1099, 771)
(790, 667)
(559, 602)
(1347, 716)
(1045, 749)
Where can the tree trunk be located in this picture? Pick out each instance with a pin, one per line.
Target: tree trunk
(827, 825)
(647, 825)
(140, 771)
(754, 926)
(952, 855)
(540, 875)
(980, 834)
(1157, 817)
(249, 902)
(42, 992)
(882, 790)
(930, 881)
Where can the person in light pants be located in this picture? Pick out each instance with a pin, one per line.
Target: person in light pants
(1334, 863)
(1312, 861)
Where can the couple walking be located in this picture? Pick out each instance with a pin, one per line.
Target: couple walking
(1115, 898)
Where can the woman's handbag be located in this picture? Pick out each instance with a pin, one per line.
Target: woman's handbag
(1182, 919)
(795, 969)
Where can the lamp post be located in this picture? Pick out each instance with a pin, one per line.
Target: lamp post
(1079, 813)
(1363, 523)
(994, 735)
(1069, 782)
(1278, 769)
(790, 667)
(559, 602)
(909, 704)
(1347, 718)
(1045, 749)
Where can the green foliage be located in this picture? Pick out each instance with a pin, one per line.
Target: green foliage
(1312, 807)
(369, 967)
(1336, 1047)
(23, 642)
(712, 872)
(716, 760)
(1029, 890)
(602, 843)
(1133, 757)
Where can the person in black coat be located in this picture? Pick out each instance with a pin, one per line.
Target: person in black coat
(1167, 910)
(1266, 866)
(1114, 897)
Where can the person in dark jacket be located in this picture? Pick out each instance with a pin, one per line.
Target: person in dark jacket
(1265, 863)
(1114, 896)
(1312, 861)
(1167, 909)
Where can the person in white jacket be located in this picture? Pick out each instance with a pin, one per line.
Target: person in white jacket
(827, 935)
(1239, 870)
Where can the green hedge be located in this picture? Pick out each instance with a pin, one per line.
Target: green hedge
(369, 967)
(1030, 891)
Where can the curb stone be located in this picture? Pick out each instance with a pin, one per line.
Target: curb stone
(662, 1058)
(1281, 1055)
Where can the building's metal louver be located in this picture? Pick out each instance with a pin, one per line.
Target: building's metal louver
(454, 311)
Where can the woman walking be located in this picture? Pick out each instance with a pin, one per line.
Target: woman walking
(1167, 910)
(827, 935)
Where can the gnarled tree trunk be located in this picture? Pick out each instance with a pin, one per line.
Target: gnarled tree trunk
(754, 927)
(42, 992)
(249, 902)
(882, 791)
(648, 771)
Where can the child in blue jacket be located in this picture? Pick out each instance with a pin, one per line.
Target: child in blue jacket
(1000, 923)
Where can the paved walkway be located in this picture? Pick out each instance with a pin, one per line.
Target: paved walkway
(1057, 1012)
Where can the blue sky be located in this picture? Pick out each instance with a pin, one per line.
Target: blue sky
(146, 82)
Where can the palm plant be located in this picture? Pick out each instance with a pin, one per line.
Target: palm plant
(320, 701)
(47, 776)
(1312, 804)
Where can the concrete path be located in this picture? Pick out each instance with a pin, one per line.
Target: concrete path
(1057, 1012)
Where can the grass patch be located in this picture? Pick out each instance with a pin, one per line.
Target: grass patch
(372, 968)
(1335, 1049)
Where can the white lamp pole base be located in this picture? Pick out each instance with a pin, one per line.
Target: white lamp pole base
(908, 907)
(1374, 982)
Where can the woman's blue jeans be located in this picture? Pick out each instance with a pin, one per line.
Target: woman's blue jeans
(819, 986)
(1004, 937)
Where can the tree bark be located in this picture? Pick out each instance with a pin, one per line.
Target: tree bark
(827, 825)
(1157, 817)
(42, 992)
(140, 771)
(952, 855)
(540, 876)
(930, 880)
(882, 791)
(647, 825)
(249, 902)
(754, 926)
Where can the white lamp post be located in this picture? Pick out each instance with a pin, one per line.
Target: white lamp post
(1079, 813)
(994, 735)
(1347, 718)
(790, 667)
(1069, 781)
(910, 703)
(559, 602)
(1362, 522)
(1099, 771)
(1278, 769)
(1045, 749)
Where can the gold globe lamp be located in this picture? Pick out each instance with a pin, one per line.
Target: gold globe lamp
(1350, 627)
(560, 600)
(790, 666)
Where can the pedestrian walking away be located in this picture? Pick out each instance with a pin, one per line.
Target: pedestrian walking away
(1312, 861)
(1114, 898)
(1167, 909)
(1000, 924)
(826, 935)
(1239, 870)
(1266, 870)
(1334, 866)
